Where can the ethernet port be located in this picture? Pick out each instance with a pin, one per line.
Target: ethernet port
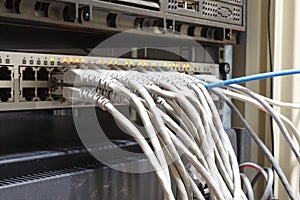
(5, 74)
(28, 74)
(43, 74)
(43, 93)
(5, 94)
(28, 93)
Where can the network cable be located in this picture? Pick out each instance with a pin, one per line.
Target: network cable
(245, 98)
(275, 117)
(77, 94)
(252, 78)
(260, 144)
(180, 118)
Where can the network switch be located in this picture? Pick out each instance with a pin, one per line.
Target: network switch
(31, 81)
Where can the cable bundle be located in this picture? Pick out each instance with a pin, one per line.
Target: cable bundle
(243, 94)
(188, 146)
(185, 131)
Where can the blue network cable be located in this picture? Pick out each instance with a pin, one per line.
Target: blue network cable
(251, 78)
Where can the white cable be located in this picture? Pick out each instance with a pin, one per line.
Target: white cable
(214, 187)
(220, 155)
(178, 181)
(197, 91)
(94, 78)
(107, 83)
(279, 103)
(169, 88)
(204, 129)
(276, 118)
(170, 111)
(225, 139)
(213, 155)
(103, 103)
(245, 98)
(220, 164)
(185, 139)
(160, 127)
(272, 160)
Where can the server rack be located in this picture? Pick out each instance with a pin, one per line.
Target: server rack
(41, 154)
